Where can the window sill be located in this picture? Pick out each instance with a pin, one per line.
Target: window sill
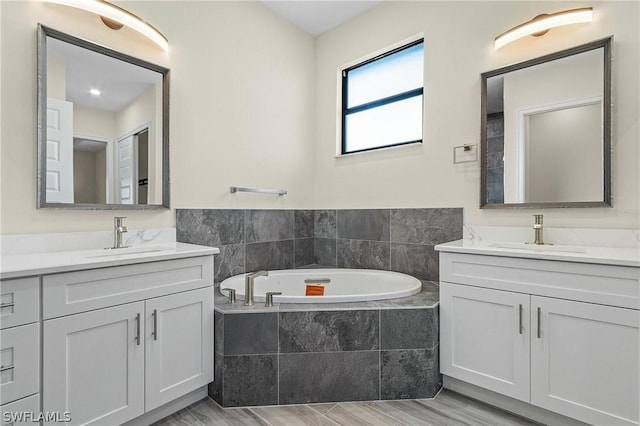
(406, 146)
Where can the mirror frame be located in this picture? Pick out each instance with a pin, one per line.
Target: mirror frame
(43, 33)
(606, 202)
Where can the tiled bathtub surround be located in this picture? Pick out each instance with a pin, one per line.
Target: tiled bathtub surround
(399, 240)
(295, 354)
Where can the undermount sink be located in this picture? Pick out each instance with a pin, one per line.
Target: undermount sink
(125, 251)
(539, 248)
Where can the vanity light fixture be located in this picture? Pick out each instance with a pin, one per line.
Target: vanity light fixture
(115, 17)
(541, 24)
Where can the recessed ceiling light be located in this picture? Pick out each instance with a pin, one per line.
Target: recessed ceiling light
(95, 92)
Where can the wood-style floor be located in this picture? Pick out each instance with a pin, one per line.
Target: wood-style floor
(449, 408)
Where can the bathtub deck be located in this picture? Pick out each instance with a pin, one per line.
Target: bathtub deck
(448, 408)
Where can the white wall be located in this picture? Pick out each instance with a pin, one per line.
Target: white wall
(458, 47)
(241, 107)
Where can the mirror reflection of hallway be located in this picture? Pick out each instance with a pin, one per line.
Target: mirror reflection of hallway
(89, 171)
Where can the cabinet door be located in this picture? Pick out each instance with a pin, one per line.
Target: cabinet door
(179, 345)
(94, 365)
(484, 338)
(20, 362)
(584, 360)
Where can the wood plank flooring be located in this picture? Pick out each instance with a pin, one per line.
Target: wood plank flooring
(448, 409)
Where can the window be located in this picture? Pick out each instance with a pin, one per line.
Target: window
(382, 100)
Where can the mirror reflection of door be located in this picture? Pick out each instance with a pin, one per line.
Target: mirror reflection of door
(60, 186)
(133, 166)
(90, 171)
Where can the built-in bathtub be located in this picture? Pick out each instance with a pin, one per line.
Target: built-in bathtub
(296, 353)
(338, 285)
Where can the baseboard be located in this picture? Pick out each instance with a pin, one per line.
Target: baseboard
(169, 408)
(506, 403)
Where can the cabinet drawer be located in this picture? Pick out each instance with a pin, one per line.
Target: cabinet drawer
(29, 405)
(74, 292)
(20, 359)
(20, 300)
(585, 282)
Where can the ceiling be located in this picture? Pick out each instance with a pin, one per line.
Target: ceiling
(316, 17)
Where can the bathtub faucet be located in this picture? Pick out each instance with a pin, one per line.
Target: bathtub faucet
(248, 285)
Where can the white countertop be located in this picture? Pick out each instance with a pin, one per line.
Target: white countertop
(582, 254)
(20, 265)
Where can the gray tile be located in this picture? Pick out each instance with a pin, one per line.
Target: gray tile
(408, 412)
(254, 333)
(215, 388)
(218, 332)
(409, 373)
(428, 297)
(370, 225)
(345, 306)
(426, 226)
(268, 225)
(292, 415)
(495, 144)
(363, 254)
(269, 256)
(229, 262)
(303, 252)
(303, 224)
(210, 227)
(324, 251)
(420, 261)
(329, 377)
(324, 223)
(495, 160)
(209, 413)
(329, 331)
(408, 328)
(250, 380)
(495, 125)
(180, 418)
(323, 407)
(359, 414)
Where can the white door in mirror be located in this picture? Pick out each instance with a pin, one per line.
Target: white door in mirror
(59, 151)
(126, 171)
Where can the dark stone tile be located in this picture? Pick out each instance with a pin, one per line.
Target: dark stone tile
(229, 262)
(324, 252)
(495, 185)
(268, 225)
(329, 331)
(324, 224)
(495, 144)
(408, 328)
(250, 380)
(363, 254)
(426, 226)
(215, 389)
(218, 332)
(495, 160)
(329, 377)
(269, 256)
(428, 297)
(420, 261)
(303, 252)
(303, 227)
(210, 227)
(409, 374)
(370, 225)
(247, 334)
(495, 125)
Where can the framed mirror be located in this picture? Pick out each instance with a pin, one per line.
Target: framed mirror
(103, 127)
(546, 131)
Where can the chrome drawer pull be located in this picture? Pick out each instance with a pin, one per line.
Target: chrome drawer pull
(155, 324)
(520, 319)
(539, 315)
(6, 367)
(7, 305)
(138, 329)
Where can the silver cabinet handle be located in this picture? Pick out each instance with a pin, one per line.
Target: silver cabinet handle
(138, 329)
(7, 305)
(155, 324)
(6, 367)
(539, 315)
(269, 298)
(520, 318)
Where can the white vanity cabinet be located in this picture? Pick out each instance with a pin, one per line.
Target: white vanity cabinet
(112, 364)
(532, 330)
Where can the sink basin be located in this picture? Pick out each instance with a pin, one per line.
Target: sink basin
(539, 248)
(124, 252)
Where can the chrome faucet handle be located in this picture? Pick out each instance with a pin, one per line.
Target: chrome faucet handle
(231, 295)
(117, 220)
(269, 298)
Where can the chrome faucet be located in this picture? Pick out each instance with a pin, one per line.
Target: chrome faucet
(118, 230)
(248, 285)
(537, 227)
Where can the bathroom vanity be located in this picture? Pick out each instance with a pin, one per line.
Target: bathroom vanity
(556, 327)
(107, 337)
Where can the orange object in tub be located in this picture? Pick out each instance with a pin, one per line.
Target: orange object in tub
(314, 290)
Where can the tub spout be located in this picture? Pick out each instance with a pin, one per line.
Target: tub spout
(248, 285)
